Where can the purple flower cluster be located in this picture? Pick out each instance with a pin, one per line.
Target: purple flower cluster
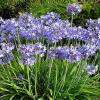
(52, 28)
(6, 53)
(27, 60)
(56, 31)
(94, 27)
(30, 27)
(29, 50)
(49, 27)
(8, 29)
(91, 69)
(74, 8)
(93, 24)
(49, 18)
(72, 53)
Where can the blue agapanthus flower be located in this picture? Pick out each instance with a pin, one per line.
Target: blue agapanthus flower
(52, 53)
(72, 53)
(7, 47)
(56, 31)
(6, 54)
(91, 69)
(52, 28)
(8, 30)
(30, 27)
(28, 51)
(49, 18)
(94, 27)
(32, 49)
(5, 57)
(27, 60)
(65, 52)
(74, 8)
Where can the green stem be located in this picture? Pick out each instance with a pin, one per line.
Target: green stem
(49, 73)
(54, 96)
(29, 83)
(36, 80)
(71, 20)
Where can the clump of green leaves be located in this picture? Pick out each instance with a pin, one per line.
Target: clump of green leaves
(47, 80)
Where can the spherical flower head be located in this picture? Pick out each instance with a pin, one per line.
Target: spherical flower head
(27, 60)
(83, 34)
(30, 27)
(56, 31)
(8, 47)
(82, 50)
(91, 49)
(90, 24)
(39, 48)
(52, 53)
(32, 49)
(8, 30)
(72, 33)
(49, 18)
(63, 52)
(74, 8)
(26, 49)
(93, 25)
(74, 55)
(91, 69)
(25, 18)
(5, 57)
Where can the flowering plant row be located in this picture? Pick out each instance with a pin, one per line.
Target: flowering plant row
(52, 28)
